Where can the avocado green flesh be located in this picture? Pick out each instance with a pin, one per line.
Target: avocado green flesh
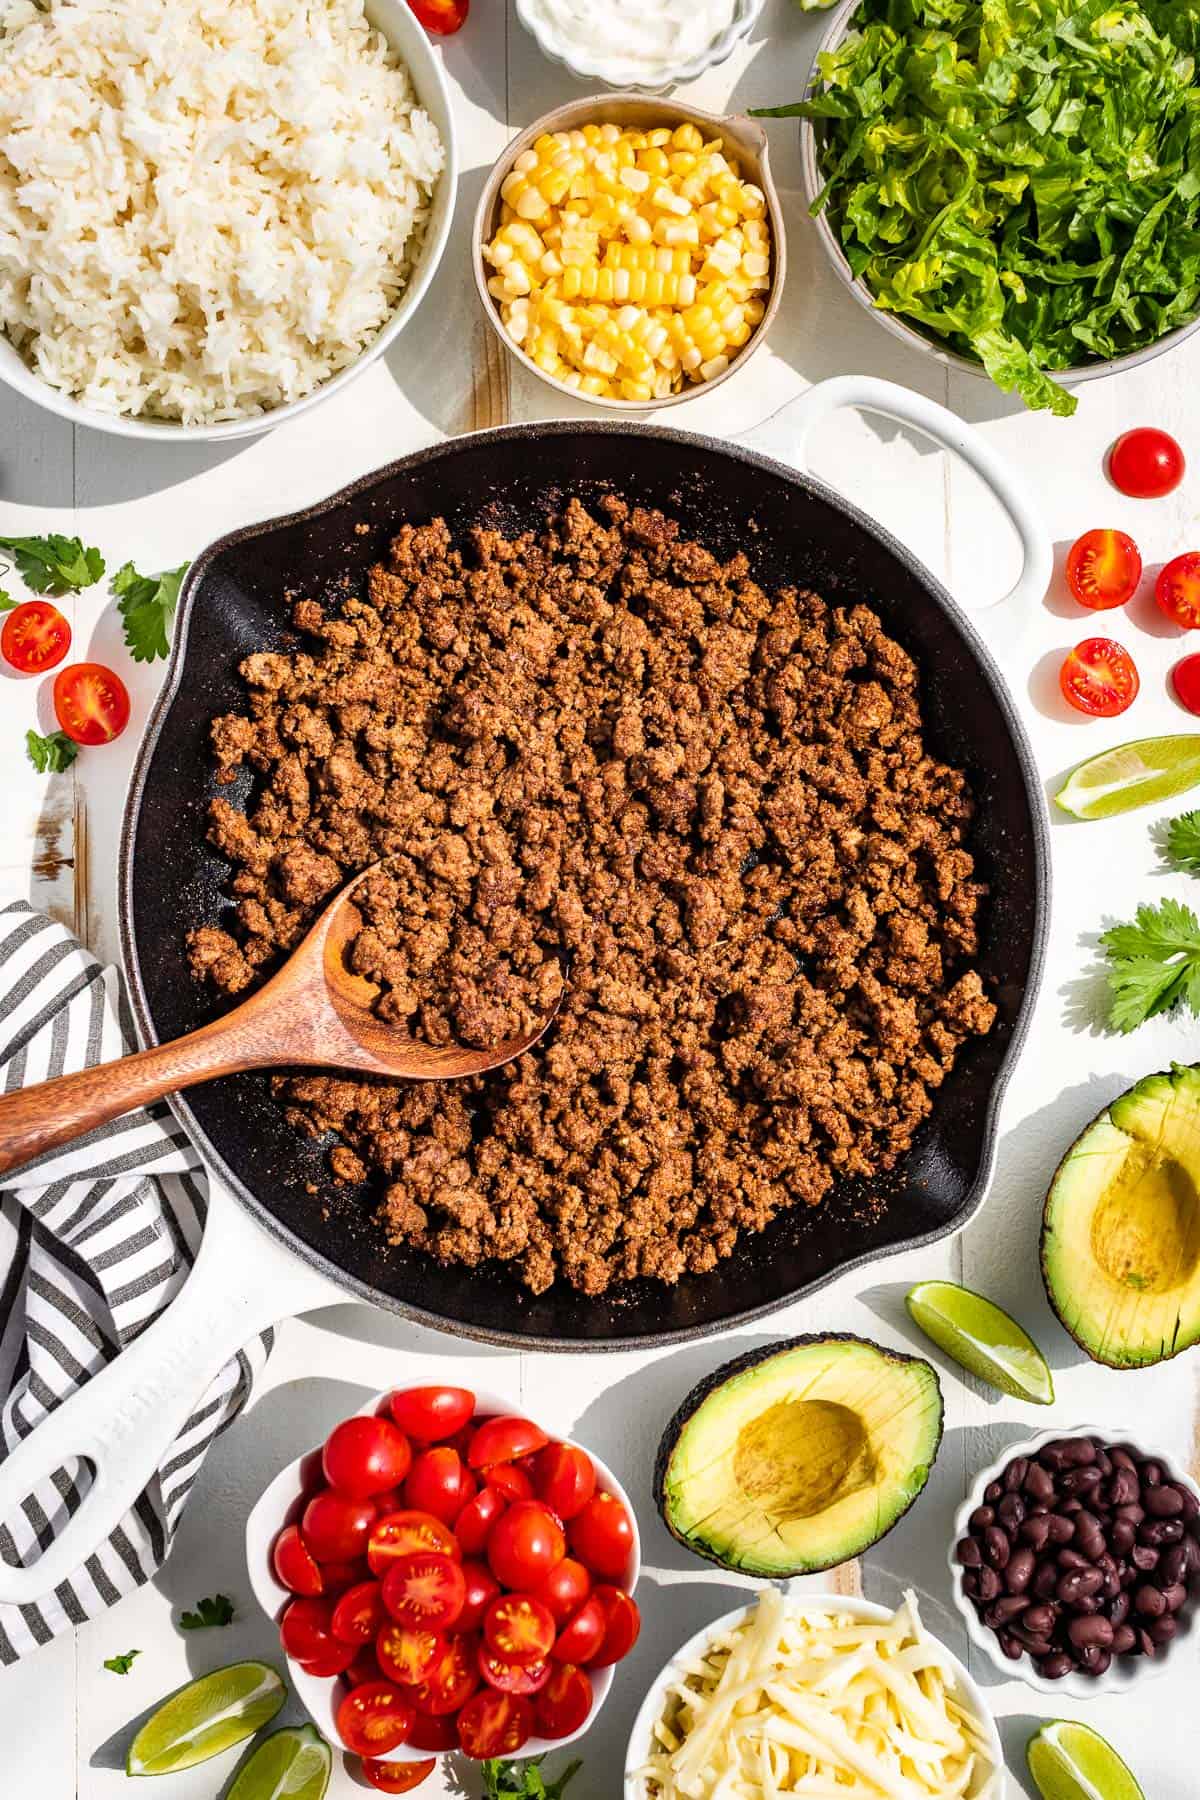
(1121, 1235)
(803, 1459)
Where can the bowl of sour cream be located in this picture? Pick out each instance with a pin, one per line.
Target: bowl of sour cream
(645, 44)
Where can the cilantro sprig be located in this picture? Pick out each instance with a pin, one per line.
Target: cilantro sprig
(54, 564)
(1182, 848)
(7, 603)
(216, 1609)
(1154, 964)
(50, 755)
(147, 606)
(121, 1665)
(524, 1780)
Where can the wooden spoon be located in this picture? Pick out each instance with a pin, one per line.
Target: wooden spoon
(313, 1012)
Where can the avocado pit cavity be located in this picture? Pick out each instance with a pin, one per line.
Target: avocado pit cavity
(800, 1456)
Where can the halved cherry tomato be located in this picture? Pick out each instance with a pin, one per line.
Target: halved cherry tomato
(1103, 569)
(359, 1613)
(504, 1440)
(374, 1719)
(521, 1629)
(452, 1682)
(511, 1482)
(482, 1589)
(622, 1629)
(1098, 677)
(476, 1519)
(513, 1677)
(601, 1536)
(294, 1562)
(494, 1724)
(333, 1661)
(397, 1777)
(306, 1630)
(563, 1704)
(525, 1544)
(91, 704)
(431, 1414)
(565, 1589)
(404, 1534)
(581, 1637)
(1146, 463)
(442, 17)
(1185, 679)
(336, 1527)
(35, 637)
(364, 1668)
(364, 1456)
(427, 1591)
(434, 1732)
(440, 1483)
(564, 1476)
(407, 1653)
(1177, 589)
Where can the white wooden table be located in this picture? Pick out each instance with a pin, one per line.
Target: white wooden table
(64, 1719)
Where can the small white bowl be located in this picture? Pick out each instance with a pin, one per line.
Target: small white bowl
(282, 1502)
(1125, 1671)
(615, 71)
(399, 26)
(652, 1706)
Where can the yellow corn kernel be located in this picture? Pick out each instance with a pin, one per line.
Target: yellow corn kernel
(686, 137)
(635, 390)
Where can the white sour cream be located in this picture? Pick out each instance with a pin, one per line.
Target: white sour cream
(647, 38)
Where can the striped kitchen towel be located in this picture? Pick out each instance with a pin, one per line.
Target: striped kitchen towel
(94, 1242)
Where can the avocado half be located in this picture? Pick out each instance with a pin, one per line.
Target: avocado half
(799, 1457)
(1121, 1227)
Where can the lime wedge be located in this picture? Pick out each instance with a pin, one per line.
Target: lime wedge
(206, 1717)
(292, 1764)
(1073, 1762)
(1131, 775)
(982, 1337)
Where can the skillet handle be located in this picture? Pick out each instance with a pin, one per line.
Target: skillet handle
(125, 1417)
(798, 419)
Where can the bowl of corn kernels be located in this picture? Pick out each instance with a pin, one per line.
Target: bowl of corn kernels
(630, 251)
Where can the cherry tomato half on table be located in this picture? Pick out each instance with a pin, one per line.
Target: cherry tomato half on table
(397, 1777)
(1185, 679)
(364, 1457)
(1177, 589)
(1099, 677)
(35, 637)
(1103, 569)
(91, 704)
(442, 17)
(374, 1719)
(1146, 463)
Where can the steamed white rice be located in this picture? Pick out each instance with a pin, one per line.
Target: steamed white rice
(207, 207)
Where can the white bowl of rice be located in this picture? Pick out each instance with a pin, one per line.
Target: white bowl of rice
(818, 1694)
(212, 215)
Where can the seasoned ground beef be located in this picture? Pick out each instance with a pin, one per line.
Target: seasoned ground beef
(599, 743)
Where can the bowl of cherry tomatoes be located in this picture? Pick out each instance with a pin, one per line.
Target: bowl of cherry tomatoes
(446, 1575)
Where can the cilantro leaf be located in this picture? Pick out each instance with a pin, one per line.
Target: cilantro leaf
(1154, 964)
(50, 755)
(147, 606)
(1182, 849)
(54, 564)
(121, 1665)
(524, 1780)
(216, 1610)
(7, 603)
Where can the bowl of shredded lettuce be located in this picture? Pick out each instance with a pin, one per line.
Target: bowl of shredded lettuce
(1013, 185)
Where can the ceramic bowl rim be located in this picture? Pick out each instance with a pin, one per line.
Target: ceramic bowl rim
(596, 67)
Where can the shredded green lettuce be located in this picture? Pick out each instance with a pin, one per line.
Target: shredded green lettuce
(1019, 178)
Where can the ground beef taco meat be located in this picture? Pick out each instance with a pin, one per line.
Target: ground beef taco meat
(598, 747)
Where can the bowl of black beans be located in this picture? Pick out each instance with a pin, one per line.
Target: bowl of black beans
(1076, 1561)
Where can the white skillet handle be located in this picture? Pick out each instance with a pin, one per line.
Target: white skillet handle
(797, 421)
(124, 1419)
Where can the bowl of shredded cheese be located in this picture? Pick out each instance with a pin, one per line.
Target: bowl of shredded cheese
(822, 1695)
(631, 251)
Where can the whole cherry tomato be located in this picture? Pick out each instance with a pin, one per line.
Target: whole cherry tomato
(602, 1536)
(482, 1589)
(365, 1456)
(520, 1629)
(440, 1483)
(91, 704)
(1177, 589)
(581, 1637)
(563, 1704)
(336, 1527)
(564, 1476)
(441, 17)
(504, 1440)
(397, 1777)
(1146, 463)
(407, 1654)
(35, 637)
(404, 1534)
(359, 1613)
(452, 1681)
(427, 1591)
(476, 1519)
(513, 1677)
(294, 1562)
(431, 1414)
(510, 1481)
(565, 1589)
(1098, 677)
(1185, 679)
(494, 1724)
(1103, 569)
(525, 1544)
(374, 1719)
(622, 1629)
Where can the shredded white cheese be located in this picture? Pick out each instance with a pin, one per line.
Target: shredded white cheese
(819, 1705)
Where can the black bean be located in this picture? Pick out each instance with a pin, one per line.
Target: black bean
(1112, 1585)
(992, 1492)
(1040, 1619)
(1164, 1629)
(981, 1518)
(1078, 1452)
(1160, 1532)
(1070, 1506)
(1144, 1557)
(1089, 1535)
(1175, 1596)
(1045, 1580)
(1095, 1661)
(1103, 1459)
(1036, 1646)
(968, 1553)
(1019, 1572)
(1146, 1644)
(970, 1585)
(1133, 1512)
(1150, 1473)
(1163, 1502)
(1002, 1612)
(1091, 1603)
(1191, 1506)
(1051, 1455)
(1039, 1483)
(1122, 1458)
(1149, 1601)
(1124, 1487)
(1015, 1473)
(1036, 1533)
(1011, 1512)
(1056, 1666)
(1173, 1565)
(996, 1547)
(1079, 1584)
(1094, 1630)
(1078, 1482)
(1070, 1558)
(1121, 1534)
(1061, 1529)
(989, 1584)
(1011, 1646)
(1124, 1638)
